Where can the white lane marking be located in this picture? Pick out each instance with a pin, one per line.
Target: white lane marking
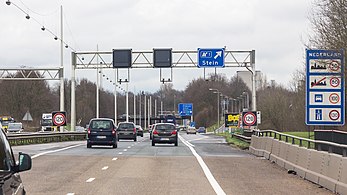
(216, 187)
(129, 146)
(52, 151)
(90, 180)
(187, 142)
(104, 168)
(125, 150)
(197, 139)
(132, 145)
(120, 153)
(70, 194)
(114, 158)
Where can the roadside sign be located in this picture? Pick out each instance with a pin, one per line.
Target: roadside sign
(325, 91)
(185, 109)
(208, 58)
(249, 119)
(59, 118)
(232, 120)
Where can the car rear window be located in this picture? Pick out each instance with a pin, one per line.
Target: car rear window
(163, 127)
(123, 126)
(101, 124)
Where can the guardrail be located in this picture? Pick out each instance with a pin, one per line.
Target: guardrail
(242, 137)
(311, 144)
(38, 138)
(304, 157)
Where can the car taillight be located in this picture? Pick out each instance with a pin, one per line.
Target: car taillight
(134, 130)
(88, 131)
(174, 132)
(155, 132)
(113, 132)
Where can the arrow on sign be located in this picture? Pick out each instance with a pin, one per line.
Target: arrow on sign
(218, 54)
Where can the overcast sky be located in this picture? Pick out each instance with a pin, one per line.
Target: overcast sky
(276, 30)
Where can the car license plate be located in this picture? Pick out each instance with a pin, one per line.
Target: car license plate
(101, 137)
(164, 139)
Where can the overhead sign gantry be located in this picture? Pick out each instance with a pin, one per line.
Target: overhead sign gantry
(161, 59)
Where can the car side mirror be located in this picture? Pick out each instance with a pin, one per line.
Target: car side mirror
(24, 162)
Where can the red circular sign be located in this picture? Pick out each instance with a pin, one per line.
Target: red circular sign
(249, 119)
(334, 65)
(59, 119)
(334, 98)
(334, 115)
(334, 81)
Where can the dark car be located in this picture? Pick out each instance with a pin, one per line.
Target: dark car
(127, 130)
(139, 130)
(164, 133)
(11, 182)
(202, 130)
(102, 131)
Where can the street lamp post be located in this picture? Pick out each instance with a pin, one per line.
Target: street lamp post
(247, 99)
(217, 92)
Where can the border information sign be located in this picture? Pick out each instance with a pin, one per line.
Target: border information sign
(325, 91)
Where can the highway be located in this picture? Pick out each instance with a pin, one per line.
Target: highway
(201, 164)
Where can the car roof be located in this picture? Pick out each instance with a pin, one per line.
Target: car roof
(109, 119)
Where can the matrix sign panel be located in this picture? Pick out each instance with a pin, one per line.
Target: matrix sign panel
(325, 87)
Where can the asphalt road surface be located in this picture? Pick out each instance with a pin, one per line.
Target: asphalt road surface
(200, 164)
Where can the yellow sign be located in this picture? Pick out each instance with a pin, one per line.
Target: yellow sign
(232, 120)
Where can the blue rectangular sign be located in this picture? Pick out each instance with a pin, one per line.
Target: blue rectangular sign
(185, 109)
(210, 58)
(325, 87)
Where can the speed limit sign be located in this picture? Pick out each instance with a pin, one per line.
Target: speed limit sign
(249, 118)
(59, 118)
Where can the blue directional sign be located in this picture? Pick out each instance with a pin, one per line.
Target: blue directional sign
(325, 87)
(210, 58)
(185, 109)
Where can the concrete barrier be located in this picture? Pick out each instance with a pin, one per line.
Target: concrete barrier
(275, 151)
(320, 167)
(341, 187)
(268, 147)
(315, 165)
(292, 157)
(302, 162)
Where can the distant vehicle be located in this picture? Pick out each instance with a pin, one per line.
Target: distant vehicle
(5, 120)
(15, 127)
(164, 133)
(102, 131)
(139, 130)
(47, 123)
(191, 130)
(11, 182)
(126, 130)
(202, 130)
(170, 119)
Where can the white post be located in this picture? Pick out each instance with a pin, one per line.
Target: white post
(61, 65)
(155, 107)
(127, 102)
(149, 111)
(134, 107)
(97, 83)
(115, 97)
(254, 96)
(145, 113)
(73, 97)
(140, 114)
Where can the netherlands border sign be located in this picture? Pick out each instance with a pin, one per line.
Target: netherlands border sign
(325, 87)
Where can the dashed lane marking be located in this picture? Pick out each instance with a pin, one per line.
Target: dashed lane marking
(114, 158)
(90, 180)
(104, 168)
